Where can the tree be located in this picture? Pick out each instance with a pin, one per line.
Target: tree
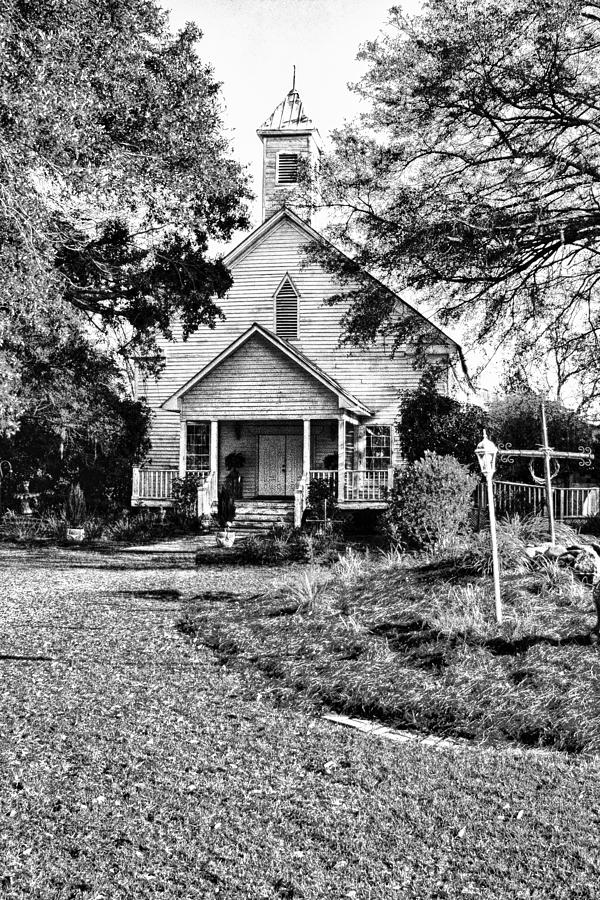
(431, 421)
(114, 176)
(474, 177)
(77, 424)
(515, 419)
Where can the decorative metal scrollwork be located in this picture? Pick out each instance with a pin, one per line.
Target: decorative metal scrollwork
(505, 450)
(586, 453)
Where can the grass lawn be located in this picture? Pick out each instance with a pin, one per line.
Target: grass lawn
(400, 643)
(134, 765)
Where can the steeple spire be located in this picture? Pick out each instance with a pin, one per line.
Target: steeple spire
(290, 140)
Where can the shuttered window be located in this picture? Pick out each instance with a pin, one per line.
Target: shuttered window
(286, 311)
(287, 168)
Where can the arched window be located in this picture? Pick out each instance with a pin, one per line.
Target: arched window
(286, 310)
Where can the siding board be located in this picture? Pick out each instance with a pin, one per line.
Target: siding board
(370, 374)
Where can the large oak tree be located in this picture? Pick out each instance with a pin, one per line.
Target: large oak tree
(115, 175)
(474, 178)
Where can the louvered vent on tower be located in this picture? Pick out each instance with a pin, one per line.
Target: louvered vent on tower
(286, 310)
(287, 168)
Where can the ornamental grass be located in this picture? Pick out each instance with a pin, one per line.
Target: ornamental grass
(405, 645)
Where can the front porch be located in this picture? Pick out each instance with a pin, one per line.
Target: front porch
(281, 458)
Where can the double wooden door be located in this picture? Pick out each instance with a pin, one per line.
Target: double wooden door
(279, 464)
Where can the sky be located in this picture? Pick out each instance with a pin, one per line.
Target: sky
(253, 44)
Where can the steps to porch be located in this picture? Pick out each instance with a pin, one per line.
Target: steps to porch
(259, 516)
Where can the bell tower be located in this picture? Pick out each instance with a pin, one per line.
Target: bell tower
(290, 141)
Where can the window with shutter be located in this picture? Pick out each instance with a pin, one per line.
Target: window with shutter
(287, 168)
(286, 310)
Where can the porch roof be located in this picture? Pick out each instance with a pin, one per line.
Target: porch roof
(345, 398)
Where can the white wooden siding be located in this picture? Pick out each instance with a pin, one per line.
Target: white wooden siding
(258, 382)
(368, 374)
(274, 194)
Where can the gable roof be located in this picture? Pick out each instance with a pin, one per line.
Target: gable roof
(259, 234)
(345, 398)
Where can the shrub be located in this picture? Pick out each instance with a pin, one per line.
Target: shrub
(430, 420)
(75, 508)
(321, 492)
(145, 525)
(430, 502)
(225, 506)
(288, 545)
(93, 529)
(185, 495)
(55, 526)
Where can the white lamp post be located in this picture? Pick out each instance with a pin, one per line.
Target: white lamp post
(486, 452)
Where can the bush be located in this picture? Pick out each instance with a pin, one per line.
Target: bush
(321, 492)
(185, 495)
(430, 420)
(288, 545)
(144, 525)
(75, 508)
(225, 507)
(430, 502)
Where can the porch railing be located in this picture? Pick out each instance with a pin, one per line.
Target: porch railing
(152, 484)
(359, 484)
(368, 485)
(517, 497)
(328, 475)
(157, 484)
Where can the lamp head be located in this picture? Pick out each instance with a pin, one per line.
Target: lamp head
(486, 452)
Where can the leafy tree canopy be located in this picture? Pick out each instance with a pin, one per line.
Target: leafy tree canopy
(515, 419)
(432, 421)
(114, 176)
(474, 176)
(77, 424)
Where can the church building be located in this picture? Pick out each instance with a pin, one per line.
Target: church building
(272, 383)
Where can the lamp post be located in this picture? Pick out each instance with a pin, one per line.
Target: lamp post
(486, 452)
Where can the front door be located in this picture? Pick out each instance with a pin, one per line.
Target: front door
(279, 464)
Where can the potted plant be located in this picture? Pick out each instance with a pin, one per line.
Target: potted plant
(75, 511)
(233, 462)
(225, 517)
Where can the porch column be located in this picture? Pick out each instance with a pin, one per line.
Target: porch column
(214, 445)
(306, 448)
(341, 456)
(182, 448)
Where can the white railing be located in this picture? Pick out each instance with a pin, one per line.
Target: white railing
(153, 484)
(569, 503)
(157, 484)
(328, 475)
(207, 494)
(368, 485)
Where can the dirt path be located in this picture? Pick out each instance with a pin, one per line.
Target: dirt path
(134, 766)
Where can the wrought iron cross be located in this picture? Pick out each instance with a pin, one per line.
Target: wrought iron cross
(551, 465)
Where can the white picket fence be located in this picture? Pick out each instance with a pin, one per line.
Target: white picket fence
(514, 496)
